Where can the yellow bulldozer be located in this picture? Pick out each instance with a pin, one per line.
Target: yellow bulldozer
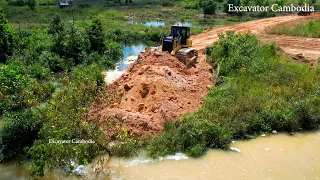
(179, 44)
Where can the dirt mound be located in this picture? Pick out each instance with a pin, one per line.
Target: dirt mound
(155, 89)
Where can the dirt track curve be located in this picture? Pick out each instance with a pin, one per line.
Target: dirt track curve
(258, 27)
(158, 87)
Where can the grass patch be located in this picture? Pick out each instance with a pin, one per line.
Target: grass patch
(259, 91)
(310, 29)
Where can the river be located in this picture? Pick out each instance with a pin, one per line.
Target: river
(275, 157)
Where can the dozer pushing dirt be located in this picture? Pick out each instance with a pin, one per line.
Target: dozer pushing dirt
(179, 44)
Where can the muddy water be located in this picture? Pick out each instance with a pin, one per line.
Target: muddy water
(277, 157)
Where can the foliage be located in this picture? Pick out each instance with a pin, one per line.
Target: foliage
(65, 120)
(113, 51)
(19, 90)
(7, 38)
(75, 46)
(190, 136)
(208, 7)
(31, 4)
(56, 26)
(310, 29)
(190, 4)
(18, 132)
(126, 144)
(234, 58)
(259, 91)
(96, 36)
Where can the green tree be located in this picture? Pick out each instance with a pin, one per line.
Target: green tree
(57, 30)
(31, 4)
(75, 45)
(208, 7)
(56, 26)
(96, 36)
(7, 38)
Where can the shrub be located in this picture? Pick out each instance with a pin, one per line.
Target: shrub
(19, 132)
(31, 4)
(18, 90)
(65, 120)
(192, 136)
(96, 36)
(75, 45)
(6, 40)
(208, 6)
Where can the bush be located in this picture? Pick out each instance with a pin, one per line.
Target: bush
(234, 53)
(6, 40)
(208, 6)
(75, 45)
(65, 120)
(16, 2)
(190, 4)
(113, 51)
(191, 136)
(96, 36)
(19, 132)
(18, 90)
(31, 4)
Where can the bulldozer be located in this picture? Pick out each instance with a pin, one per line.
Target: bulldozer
(179, 44)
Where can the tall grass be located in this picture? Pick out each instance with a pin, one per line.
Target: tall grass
(310, 29)
(259, 91)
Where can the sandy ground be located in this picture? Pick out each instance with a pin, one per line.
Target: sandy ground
(158, 88)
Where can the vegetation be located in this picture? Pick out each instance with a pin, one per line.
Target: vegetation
(64, 120)
(259, 91)
(38, 106)
(310, 29)
(51, 70)
(6, 41)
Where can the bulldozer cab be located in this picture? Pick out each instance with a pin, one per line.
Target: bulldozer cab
(180, 31)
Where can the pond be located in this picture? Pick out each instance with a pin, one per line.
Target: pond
(130, 54)
(160, 23)
(276, 157)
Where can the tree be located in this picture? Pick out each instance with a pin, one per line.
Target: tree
(31, 4)
(57, 30)
(56, 26)
(7, 38)
(96, 36)
(208, 7)
(75, 45)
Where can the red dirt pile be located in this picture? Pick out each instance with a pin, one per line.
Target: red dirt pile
(156, 88)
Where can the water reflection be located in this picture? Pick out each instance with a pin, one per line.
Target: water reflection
(130, 53)
(160, 23)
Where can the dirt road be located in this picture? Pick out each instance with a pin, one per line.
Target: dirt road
(158, 87)
(310, 47)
